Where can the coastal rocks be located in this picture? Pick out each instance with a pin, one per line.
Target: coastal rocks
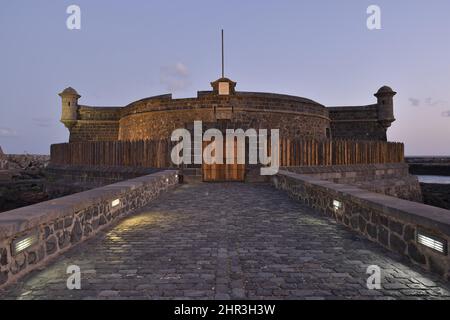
(22, 180)
(437, 195)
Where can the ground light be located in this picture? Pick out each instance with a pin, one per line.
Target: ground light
(115, 203)
(337, 205)
(22, 243)
(435, 243)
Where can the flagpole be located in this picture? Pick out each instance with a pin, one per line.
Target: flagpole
(223, 59)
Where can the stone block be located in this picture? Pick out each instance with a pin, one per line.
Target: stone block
(410, 234)
(51, 245)
(3, 256)
(77, 232)
(437, 265)
(383, 220)
(415, 254)
(3, 277)
(63, 239)
(397, 244)
(396, 227)
(383, 236)
(372, 231)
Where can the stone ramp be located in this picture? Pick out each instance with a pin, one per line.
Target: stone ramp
(228, 240)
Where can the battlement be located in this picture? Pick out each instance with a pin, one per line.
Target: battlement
(296, 117)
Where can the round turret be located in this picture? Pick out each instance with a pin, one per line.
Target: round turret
(385, 98)
(69, 114)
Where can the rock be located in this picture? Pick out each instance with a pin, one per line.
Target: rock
(3, 257)
(77, 232)
(415, 254)
(51, 245)
(395, 226)
(64, 239)
(372, 231)
(68, 222)
(32, 257)
(19, 263)
(383, 236)
(397, 244)
(410, 234)
(3, 277)
(437, 265)
(102, 220)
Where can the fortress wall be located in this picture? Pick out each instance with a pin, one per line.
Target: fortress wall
(356, 123)
(96, 124)
(160, 125)
(157, 118)
(94, 131)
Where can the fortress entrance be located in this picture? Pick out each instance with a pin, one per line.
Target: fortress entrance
(223, 172)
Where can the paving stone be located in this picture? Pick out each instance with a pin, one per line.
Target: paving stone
(228, 241)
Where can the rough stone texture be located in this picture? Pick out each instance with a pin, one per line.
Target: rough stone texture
(392, 179)
(437, 195)
(64, 222)
(64, 179)
(389, 216)
(356, 123)
(156, 117)
(228, 241)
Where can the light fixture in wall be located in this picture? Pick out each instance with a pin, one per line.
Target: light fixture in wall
(20, 244)
(167, 180)
(432, 242)
(337, 205)
(115, 203)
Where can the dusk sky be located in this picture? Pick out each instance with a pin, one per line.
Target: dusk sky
(128, 50)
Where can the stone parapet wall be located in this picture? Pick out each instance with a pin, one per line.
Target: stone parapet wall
(62, 223)
(391, 222)
(156, 117)
(392, 179)
(356, 123)
(93, 176)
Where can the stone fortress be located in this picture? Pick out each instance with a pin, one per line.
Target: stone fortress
(224, 107)
(335, 160)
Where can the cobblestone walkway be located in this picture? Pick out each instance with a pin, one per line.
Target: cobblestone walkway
(206, 241)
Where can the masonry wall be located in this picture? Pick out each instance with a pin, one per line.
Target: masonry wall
(296, 117)
(96, 124)
(68, 179)
(359, 123)
(157, 117)
(62, 223)
(391, 179)
(391, 222)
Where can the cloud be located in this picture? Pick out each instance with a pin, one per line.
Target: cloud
(435, 103)
(414, 102)
(446, 113)
(7, 132)
(175, 77)
(428, 102)
(42, 122)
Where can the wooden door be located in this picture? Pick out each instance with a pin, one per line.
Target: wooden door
(223, 172)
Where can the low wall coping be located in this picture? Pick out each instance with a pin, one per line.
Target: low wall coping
(409, 211)
(346, 168)
(18, 220)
